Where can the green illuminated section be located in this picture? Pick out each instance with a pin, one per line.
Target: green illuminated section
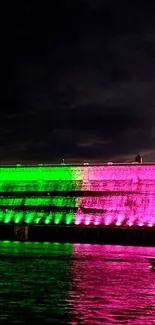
(41, 201)
(36, 217)
(34, 195)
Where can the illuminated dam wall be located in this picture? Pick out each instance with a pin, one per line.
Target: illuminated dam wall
(86, 195)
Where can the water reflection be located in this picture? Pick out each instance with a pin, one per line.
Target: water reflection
(76, 284)
(112, 285)
(34, 283)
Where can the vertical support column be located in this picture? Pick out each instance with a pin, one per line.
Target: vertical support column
(21, 232)
(85, 178)
(85, 173)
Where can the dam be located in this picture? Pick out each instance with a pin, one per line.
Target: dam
(98, 203)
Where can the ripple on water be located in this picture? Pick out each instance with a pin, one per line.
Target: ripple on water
(76, 284)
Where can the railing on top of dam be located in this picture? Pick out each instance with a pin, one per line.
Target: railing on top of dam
(77, 164)
(83, 172)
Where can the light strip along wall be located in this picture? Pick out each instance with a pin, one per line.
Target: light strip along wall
(57, 201)
(36, 217)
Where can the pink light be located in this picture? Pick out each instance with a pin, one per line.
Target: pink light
(97, 220)
(107, 223)
(150, 225)
(89, 219)
(124, 195)
(77, 222)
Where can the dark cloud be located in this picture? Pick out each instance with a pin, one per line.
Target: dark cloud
(78, 81)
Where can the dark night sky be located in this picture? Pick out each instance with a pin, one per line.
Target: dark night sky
(77, 81)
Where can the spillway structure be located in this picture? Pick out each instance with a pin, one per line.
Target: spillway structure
(78, 196)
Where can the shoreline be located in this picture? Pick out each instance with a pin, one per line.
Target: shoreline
(140, 236)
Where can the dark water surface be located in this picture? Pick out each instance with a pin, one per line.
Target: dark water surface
(73, 284)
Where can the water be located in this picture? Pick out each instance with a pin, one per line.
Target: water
(76, 284)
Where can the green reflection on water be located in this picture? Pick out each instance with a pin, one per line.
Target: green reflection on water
(35, 287)
(34, 249)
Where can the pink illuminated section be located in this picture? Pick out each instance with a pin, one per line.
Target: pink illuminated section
(118, 195)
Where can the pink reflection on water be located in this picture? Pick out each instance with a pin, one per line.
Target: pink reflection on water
(112, 285)
(122, 195)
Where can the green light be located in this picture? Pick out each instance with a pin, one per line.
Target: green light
(7, 217)
(69, 218)
(58, 217)
(7, 220)
(18, 217)
(38, 217)
(37, 220)
(47, 220)
(29, 217)
(5, 242)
